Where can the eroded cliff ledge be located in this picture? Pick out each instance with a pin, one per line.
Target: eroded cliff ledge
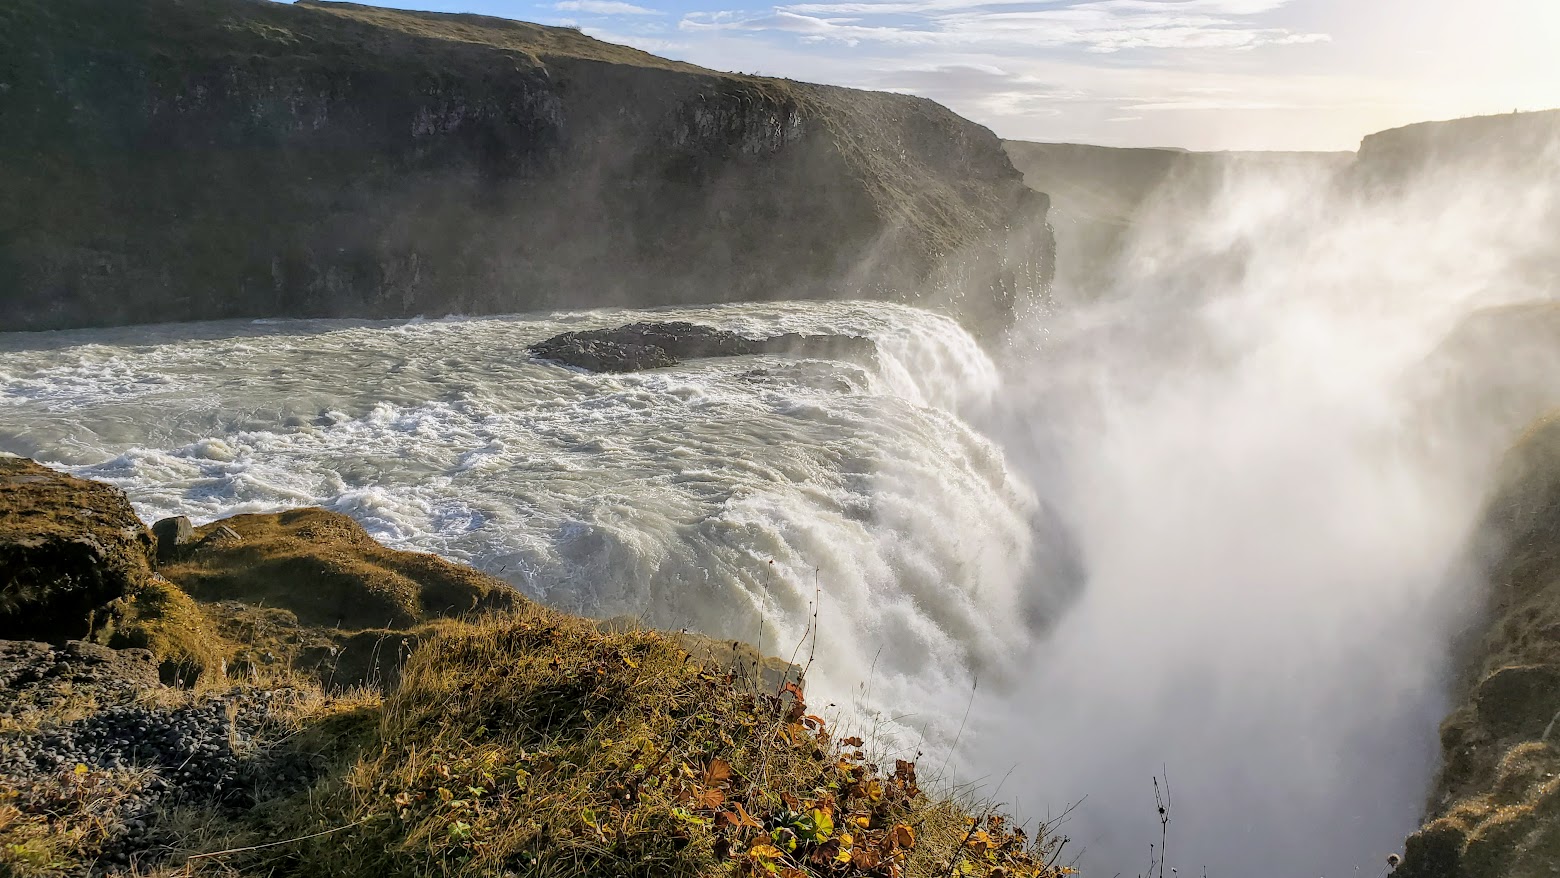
(178, 160)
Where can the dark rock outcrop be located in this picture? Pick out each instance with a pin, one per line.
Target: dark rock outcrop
(177, 160)
(68, 547)
(89, 736)
(640, 346)
(39, 679)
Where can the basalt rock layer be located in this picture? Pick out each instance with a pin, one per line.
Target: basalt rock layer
(176, 160)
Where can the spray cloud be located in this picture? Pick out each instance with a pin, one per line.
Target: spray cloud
(1243, 442)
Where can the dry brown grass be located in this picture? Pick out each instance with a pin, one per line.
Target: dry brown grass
(539, 744)
(326, 570)
(536, 41)
(162, 618)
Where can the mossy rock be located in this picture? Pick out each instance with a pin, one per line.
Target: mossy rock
(162, 618)
(68, 547)
(1519, 701)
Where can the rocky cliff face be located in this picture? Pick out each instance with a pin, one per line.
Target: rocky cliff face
(1514, 143)
(178, 160)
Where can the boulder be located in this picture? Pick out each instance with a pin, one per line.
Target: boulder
(640, 346)
(1520, 701)
(67, 548)
(172, 534)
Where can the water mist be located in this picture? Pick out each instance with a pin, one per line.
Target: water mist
(1242, 443)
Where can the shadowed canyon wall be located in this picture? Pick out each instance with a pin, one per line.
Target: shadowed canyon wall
(179, 160)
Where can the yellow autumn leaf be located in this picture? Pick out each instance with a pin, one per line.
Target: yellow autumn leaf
(764, 852)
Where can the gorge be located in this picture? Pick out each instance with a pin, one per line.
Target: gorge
(1211, 507)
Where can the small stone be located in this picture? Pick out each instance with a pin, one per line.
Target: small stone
(223, 535)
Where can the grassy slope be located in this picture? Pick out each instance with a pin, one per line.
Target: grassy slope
(540, 41)
(515, 742)
(536, 744)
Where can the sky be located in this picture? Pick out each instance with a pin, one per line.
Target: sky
(1197, 74)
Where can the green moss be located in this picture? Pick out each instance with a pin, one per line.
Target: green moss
(165, 620)
(328, 572)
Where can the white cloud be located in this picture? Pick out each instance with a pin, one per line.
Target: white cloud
(642, 42)
(1099, 26)
(604, 7)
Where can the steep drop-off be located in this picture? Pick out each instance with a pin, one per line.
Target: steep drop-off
(1495, 810)
(177, 160)
(512, 741)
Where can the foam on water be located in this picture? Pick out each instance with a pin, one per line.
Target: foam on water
(717, 495)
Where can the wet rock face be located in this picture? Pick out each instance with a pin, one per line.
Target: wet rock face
(67, 548)
(640, 346)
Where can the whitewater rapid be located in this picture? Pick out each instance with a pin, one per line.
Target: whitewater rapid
(720, 496)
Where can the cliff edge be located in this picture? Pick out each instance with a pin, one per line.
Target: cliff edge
(176, 160)
(1495, 810)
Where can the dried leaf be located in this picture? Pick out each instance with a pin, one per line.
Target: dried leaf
(718, 773)
(744, 818)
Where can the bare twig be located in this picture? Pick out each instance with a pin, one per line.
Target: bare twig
(189, 868)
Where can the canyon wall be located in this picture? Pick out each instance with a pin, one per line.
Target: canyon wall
(179, 160)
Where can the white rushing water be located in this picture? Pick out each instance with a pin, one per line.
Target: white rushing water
(717, 495)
